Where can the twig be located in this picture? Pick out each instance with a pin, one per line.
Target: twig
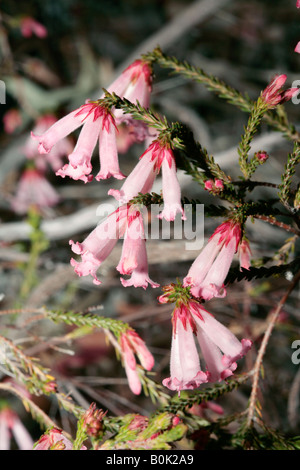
(262, 350)
(36, 412)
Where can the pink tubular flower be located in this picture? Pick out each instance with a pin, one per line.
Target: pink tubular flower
(273, 93)
(132, 344)
(126, 220)
(30, 26)
(207, 274)
(297, 48)
(134, 84)
(220, 348)
(97, 123)
(54, 440)
(244, 254)
(10, 423)
(33, 190)
(54, 158)
(134, 256)
(142, 177)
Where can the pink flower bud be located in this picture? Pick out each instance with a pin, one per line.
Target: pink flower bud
(262, 156)
(208, 185)
(273, 93)
(219, 184)
(30, 26)
(12, 119)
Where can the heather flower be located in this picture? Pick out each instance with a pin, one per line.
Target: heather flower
(55, 156)
(208, 272)
(157, 156)
(54, 440)
(297, 48)
(33, 191)
(30, 26)
(97, 124)
(127, 221)
(262, 156)
(12, 119)
(199, 409)
(93, 421)
(219, 347)
(132, 344)
(208, 185)
(11, 425)
(134, 84)
(214, 186)
(244, 254)
(273, 93)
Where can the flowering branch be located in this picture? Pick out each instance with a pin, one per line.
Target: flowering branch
(223, 90)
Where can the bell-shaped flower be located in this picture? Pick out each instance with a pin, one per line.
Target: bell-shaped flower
(33, 190)
(244, 254)
(131, 344)
(55, 157)
(208, 272)
(134, 255)
(157, 156)
(134, 84)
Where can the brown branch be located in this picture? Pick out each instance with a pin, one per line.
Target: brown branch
(262, 350)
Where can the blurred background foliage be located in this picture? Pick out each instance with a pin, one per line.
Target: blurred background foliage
(242, 42)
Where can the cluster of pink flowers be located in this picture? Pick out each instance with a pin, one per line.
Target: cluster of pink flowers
(274, 94)
(207, 274)
(219, 346)
(214, 186)
(100, 124)
(205, 278)
(127, 221)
